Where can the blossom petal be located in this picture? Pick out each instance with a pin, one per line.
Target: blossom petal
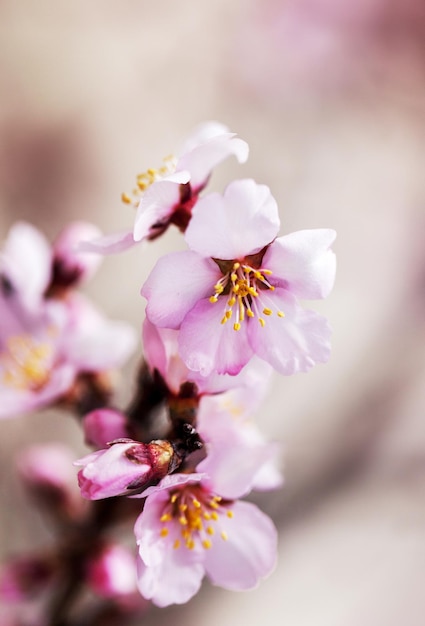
(26, 261)
(303, 263)
(165, 575)
(172, 480)
(175, 285)
(109, 244)
(205, 344)
(236, 224)
(203, 158)
(293, 343)
(248, 554)
(157, 203)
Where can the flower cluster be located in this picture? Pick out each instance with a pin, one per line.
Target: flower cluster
(220, 317)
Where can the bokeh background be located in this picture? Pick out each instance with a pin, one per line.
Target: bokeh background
(330, 96)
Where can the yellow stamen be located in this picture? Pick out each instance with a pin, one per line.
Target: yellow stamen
(164, 532)
(176, 544)
(224, 535)
(207, 544)
(230, 514)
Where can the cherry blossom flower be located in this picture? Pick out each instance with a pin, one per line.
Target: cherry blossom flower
(169, 193)
(187, 529)
(235, 292)
(111, 572)
(47, 336)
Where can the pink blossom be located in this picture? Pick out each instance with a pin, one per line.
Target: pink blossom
(235, 292)
(169, 193)
(70, 265)
(125, 467)
(188, 530)
(47, 339)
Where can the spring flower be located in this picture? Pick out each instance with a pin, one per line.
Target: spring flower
(235, 292)
(124, 467)
(48, 336)
(111, 572)
(167, 195)
(187, 529)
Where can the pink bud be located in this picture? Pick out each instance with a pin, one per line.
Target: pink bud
(70, 266)
(104, 425)
(125, 468)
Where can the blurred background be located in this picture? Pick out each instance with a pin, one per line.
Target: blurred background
(330, 96)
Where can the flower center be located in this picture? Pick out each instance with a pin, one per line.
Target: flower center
(244, 284)
(146, 179)
(26, 363)
(197, 513)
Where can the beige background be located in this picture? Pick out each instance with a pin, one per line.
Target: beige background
(92, 93)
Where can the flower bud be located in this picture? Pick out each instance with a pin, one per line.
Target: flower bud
(23, 577)
(104, 425)
(125, 468)
(70, 266)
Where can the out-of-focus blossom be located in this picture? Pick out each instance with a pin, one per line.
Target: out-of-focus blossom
(189, 529)
(125, 467)
(70, 265)
(287, 48)
(111, 573)
(23, 577)
(48, 473)
(234, 293)
(103, 426)
(169, 193)
(47, 339)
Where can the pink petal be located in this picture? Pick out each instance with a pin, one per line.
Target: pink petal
(202, 159)
(303, 263)
(293, 343)
(165, 575)
(249, 553)
(26, 260)
(175, 285)
(109, 244)
(239, 223)
(172, 480)
(157, 203)
(205, 344)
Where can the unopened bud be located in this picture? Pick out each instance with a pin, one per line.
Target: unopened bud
(112, 572)
(104, 425)
(125, 468)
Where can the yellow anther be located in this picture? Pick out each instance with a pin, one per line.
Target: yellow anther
(236, 288)
(271, 287)
(164, 532)
(165, 518)
(125, 198)
(224, 320)
(213, 505)
(142, 185)
(190, 544)
(267, 311)
(280, 314)
(236, 265)
(196, 503)
(183, 520)
(214, 516)
(230, 514)
(174, 498)
(232, 301)
(219, 288)
(267, 272)
(236, 326)
(182, 507)
(207, 544)
(228, 314)
(217, 498)
(210, 530)
(224, 535)
(262, 322)
(233, 277)
(213, 298)
(207, 515)
(250, 313)
(185, 533)
(258, 275)
(151, 171)
(176, 544)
